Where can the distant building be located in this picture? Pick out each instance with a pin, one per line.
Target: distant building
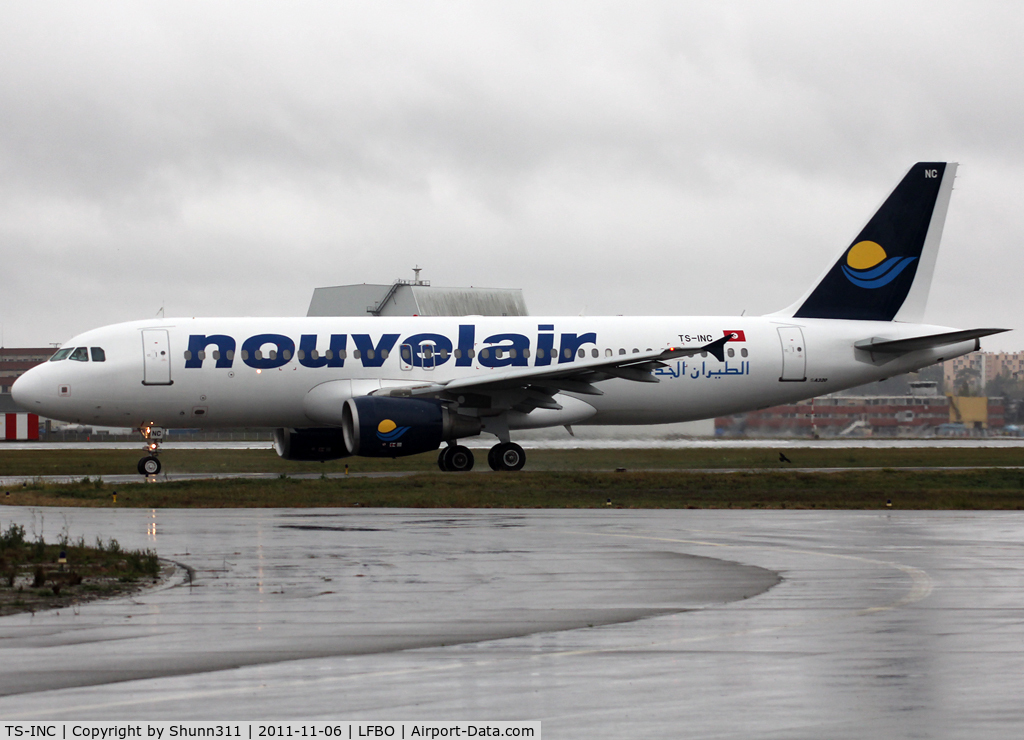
(14, 363)
(415, 298)
(986, 366)
(920, 414)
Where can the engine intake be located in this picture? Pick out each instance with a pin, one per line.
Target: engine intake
(396, 427)
(310, 444)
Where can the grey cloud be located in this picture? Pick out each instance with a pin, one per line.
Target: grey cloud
(663, 158)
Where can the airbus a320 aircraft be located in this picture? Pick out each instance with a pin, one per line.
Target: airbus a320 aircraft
(388, 387)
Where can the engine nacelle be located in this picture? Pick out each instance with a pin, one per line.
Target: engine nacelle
(395, 427)
(310, 444)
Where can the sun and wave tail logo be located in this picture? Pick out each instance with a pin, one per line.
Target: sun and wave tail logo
(868, 266)
(389, 431)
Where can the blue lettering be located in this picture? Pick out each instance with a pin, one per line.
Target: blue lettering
(336, 353)
(199, 342)
(374, 356)
(441, 352)
(545, 345)
(503, 350)
(467, 338)
(572, 342)
(508, 354)
(307, 346)
(284, 349)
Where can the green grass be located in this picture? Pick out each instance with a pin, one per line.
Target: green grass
(100, 461)
(654, 478)
(31, 577)
(974, 489)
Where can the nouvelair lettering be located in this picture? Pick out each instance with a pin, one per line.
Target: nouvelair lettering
(426, 349)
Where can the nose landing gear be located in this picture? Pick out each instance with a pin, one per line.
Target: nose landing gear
(150, 464)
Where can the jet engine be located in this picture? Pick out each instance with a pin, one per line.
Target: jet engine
(395, 427)
(310, 444)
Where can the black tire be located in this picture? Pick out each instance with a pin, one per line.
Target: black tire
(460, 459)
(442, 462)
(508, 456)
(149, 465)
(492, 458)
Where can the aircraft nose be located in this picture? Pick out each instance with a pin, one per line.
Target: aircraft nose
(28, 392)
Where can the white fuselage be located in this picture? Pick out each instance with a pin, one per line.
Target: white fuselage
(772, 361)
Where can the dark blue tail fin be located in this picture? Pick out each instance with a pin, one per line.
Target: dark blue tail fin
(885, 273)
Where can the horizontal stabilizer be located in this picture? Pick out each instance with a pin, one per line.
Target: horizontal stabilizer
(931, 341)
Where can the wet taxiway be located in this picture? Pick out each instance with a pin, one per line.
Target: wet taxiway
(598, 623)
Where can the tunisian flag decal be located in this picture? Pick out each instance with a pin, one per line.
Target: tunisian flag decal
(737, 336)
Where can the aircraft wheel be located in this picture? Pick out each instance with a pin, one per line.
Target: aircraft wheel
(149, 465)
(459, 458)
(442, 462)
(507, 456)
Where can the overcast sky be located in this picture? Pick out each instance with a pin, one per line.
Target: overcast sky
(608, 158)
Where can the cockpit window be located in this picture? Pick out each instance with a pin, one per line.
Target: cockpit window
(98, 355)
(81, 354)
(61, 354)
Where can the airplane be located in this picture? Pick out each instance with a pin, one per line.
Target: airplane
(331, 387)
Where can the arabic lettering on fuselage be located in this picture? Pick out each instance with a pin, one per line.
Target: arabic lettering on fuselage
(424, 349)
(679, 370)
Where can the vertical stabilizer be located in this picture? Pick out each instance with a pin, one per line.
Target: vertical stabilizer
(886, 272)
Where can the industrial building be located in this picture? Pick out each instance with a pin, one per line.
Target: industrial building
(924, 413)
(415, 298)
(15, 362)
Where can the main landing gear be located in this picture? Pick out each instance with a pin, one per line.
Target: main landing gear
(504, 456)
(455, 458)
(150, 464)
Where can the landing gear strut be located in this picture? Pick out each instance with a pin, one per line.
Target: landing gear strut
(150, 464)
(455, 458)
(506, 456)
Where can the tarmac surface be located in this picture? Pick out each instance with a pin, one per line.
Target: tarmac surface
(599, 623)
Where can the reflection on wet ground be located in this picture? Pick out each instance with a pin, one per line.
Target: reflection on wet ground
(598, 623)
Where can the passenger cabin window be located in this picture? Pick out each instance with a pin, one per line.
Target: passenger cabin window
(81, 354)
(98, 355)
(61, 354)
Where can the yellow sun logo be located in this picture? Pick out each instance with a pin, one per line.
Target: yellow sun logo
(863, 255)
(868, 266)
(386, 426)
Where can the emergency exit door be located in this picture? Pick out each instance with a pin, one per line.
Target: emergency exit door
(156, 352)
(794, 354)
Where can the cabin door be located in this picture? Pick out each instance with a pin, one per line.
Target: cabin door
(794, 354)
(157, 357)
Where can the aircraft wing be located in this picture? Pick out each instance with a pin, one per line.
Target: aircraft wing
(538, 385)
